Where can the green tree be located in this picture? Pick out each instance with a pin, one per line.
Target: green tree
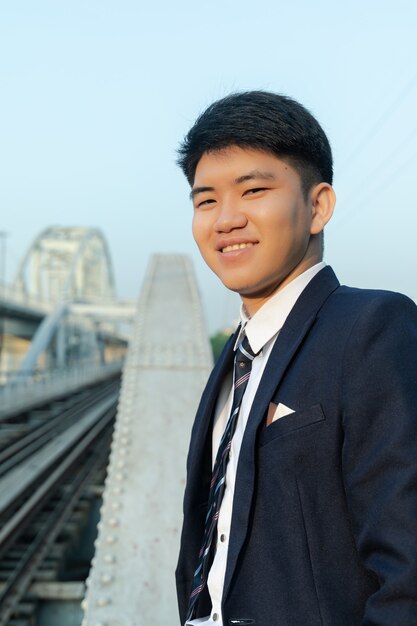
(217, 342)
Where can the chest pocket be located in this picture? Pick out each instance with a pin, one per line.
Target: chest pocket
(291, 423)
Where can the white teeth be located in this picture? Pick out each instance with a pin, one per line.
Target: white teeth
(237, 246)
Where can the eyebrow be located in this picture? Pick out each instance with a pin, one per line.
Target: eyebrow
(198, 190)
(253, 175)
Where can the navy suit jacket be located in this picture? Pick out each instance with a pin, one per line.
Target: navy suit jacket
(324, 525)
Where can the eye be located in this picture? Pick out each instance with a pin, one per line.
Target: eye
(255, 190)
(204, 203)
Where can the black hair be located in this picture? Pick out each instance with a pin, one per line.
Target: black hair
(263, 121)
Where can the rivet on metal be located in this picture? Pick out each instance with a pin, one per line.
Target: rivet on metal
(106, 579)
(110, 539)
(109, 558)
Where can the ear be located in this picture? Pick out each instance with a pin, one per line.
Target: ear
(323, 199)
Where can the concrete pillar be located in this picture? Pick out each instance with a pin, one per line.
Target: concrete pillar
(132, 579)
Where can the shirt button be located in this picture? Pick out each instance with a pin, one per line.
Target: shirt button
(215, 617)
(222, 538)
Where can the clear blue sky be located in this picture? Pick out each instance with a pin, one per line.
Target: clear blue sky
(96, 95)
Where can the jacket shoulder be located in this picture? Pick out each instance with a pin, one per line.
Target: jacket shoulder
(368, 300)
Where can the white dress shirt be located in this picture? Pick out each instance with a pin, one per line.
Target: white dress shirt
(261, 330)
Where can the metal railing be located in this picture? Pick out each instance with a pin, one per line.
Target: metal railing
(21, 393)
(11, 294)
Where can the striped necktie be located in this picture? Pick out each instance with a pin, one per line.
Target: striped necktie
(242, 369)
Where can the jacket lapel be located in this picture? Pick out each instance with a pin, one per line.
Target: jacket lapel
(200, 454)
(296, 327)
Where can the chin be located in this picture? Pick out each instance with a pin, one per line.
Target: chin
(243, 290)
(237, 283)
(231, 286)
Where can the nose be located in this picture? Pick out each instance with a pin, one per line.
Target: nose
(229, 217)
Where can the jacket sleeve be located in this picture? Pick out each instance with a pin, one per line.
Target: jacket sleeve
(379, 458)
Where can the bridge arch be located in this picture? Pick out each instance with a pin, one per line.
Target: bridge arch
(67, 264)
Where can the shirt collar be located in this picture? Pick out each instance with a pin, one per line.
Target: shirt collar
(270, 318)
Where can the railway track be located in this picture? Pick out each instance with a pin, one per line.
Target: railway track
(47, 469)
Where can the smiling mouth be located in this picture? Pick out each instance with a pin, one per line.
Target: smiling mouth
(237, 246)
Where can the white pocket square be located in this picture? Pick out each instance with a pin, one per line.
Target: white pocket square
(276, 411)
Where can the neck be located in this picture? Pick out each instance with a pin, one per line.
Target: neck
(253, 303)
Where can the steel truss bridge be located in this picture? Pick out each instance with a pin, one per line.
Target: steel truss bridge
(63, 407)
(61, 309)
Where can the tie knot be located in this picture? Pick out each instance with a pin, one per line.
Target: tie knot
(244, 353)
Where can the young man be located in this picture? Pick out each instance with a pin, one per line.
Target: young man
(301, 501)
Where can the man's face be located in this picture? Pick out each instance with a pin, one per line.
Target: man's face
(252, 222)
